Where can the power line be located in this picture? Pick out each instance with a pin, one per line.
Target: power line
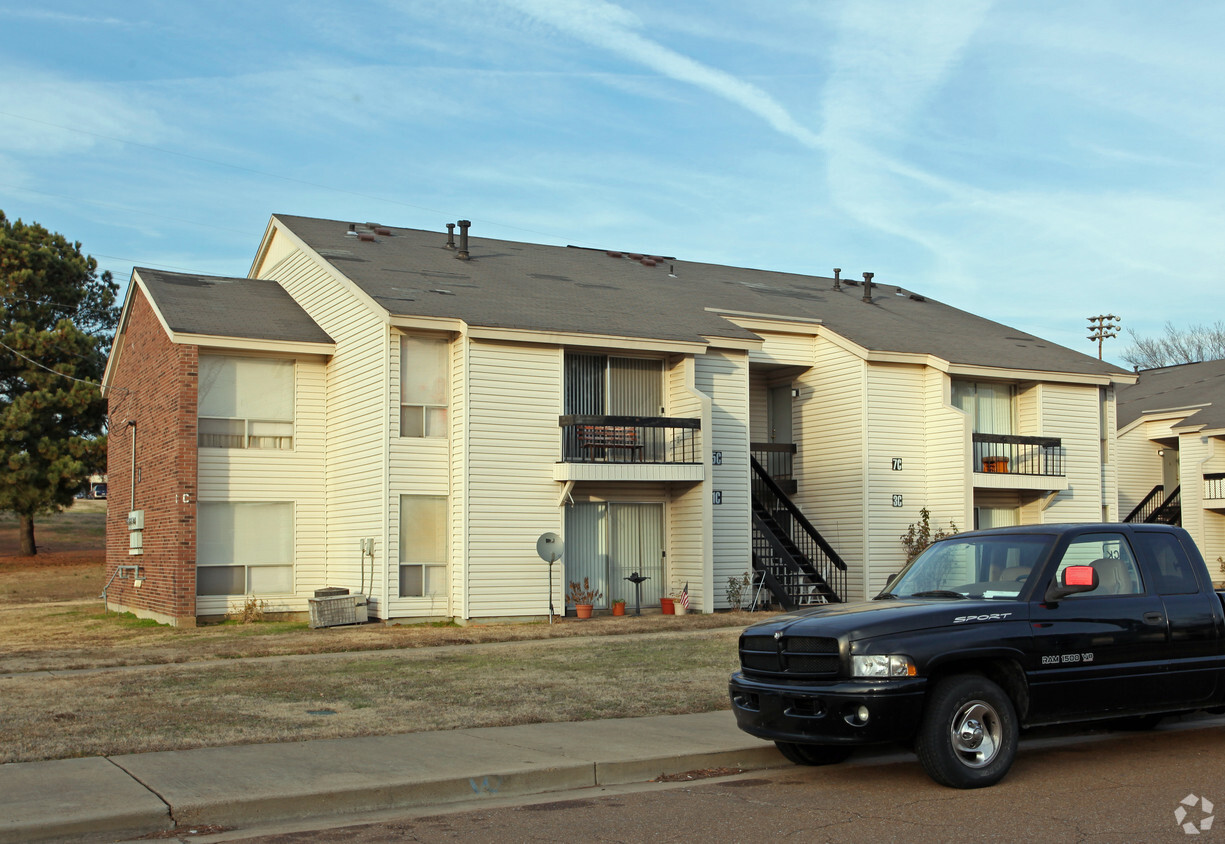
(49, 369)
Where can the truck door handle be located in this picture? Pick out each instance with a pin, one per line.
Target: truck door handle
(1153, 618)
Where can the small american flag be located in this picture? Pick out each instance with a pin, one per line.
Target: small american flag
(685, 596)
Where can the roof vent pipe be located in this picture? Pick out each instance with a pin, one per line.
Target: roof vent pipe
(450, 235)
(837, 278)
(463, 240)
(867, 286)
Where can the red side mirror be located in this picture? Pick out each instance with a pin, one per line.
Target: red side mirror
(1079, 576)
(1072, 580)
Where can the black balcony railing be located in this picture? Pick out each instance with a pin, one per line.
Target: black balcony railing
(777, 459)
(629, 439)
(1003, 453)
(1214, 485)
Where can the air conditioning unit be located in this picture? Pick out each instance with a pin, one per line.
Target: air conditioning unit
(335, 610)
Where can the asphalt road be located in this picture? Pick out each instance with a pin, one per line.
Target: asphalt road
(1107, 787)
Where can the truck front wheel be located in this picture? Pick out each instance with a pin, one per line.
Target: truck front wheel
(813, 754)
(968, 737)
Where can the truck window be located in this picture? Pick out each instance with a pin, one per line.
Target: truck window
(1171, 570)
(1110, 554)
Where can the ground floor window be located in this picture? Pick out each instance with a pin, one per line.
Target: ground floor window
(423, 546)
(244, 548)
(608, 541)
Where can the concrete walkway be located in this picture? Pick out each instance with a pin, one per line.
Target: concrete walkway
(105, 798)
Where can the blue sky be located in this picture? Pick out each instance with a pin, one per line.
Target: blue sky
(1034, 162)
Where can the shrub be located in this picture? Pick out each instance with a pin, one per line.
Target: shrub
(918, 536)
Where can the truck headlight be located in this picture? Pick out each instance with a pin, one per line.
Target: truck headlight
(882, 665)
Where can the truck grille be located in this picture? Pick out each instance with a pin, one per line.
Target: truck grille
(794, 656)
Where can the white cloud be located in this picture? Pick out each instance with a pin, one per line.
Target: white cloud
(615, 29)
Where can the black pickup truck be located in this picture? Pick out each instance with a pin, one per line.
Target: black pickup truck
(986, 633)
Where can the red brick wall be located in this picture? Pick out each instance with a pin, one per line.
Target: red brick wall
(154, 385)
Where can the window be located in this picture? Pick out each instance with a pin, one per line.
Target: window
(423, 546)
(245, 403)
(244, 548)
(1174, 575)
(423, 387)
(1110, 554)
(991, 406)
(607, 386)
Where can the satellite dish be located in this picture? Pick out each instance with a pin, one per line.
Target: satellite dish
(549, 546)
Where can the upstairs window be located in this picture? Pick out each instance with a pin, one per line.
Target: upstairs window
(423, 387)
(597, 385)
(992, 407)
(245, 403)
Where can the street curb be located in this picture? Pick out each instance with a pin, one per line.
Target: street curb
(71, 798)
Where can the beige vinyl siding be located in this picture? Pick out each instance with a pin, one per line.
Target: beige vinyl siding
(1110, 468)
(358, 397)
(1139, 464)
(295, 476)
(514, 401)
(418, 466)
(1211, 540)
(460, 360)
(759, 413)
(896, 429)
(689, 528)
(949, 480)
(1192, 454)
(724, 376)
(831, 434)
(1070, 412)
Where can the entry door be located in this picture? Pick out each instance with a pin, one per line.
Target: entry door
(778, 413)
(607, 542)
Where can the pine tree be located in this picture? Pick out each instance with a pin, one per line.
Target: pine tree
(57, 320)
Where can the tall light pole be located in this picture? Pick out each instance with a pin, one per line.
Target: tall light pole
(1103, 327)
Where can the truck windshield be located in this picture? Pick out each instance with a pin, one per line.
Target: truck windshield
(981, 566)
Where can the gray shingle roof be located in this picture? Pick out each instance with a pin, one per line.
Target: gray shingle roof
(529, 286)
(1175, 387)
(247, 308)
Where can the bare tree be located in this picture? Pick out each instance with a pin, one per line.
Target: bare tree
(1192, 344)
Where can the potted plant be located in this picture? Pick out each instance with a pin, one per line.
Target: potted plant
(583, 597)
(680, 600)
(618, 606)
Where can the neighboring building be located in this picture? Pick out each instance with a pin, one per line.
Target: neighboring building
(1171, 446)
(394, 412)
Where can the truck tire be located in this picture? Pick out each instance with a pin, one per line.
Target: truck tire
(968, 736)
(813, 754)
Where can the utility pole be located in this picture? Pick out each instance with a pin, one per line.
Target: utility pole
(1103, 327)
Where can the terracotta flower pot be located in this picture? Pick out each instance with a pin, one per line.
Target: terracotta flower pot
(619, 609)
(668, 606)
(583, 610)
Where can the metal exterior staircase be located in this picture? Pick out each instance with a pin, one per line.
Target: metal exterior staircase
(1154, 508)
(790, 557)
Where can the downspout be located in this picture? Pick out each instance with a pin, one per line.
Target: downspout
(132, 476)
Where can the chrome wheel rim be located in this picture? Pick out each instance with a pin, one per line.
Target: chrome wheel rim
(976, 734)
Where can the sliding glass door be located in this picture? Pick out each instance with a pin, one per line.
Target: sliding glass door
(607, 542)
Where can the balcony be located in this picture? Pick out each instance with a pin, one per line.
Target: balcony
(637, 448)
(1214, 491)
(1004, 461)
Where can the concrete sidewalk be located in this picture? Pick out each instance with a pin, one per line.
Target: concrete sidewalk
(123, 796)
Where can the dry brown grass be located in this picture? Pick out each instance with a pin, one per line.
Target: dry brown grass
(149, 687)
(130, 710)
